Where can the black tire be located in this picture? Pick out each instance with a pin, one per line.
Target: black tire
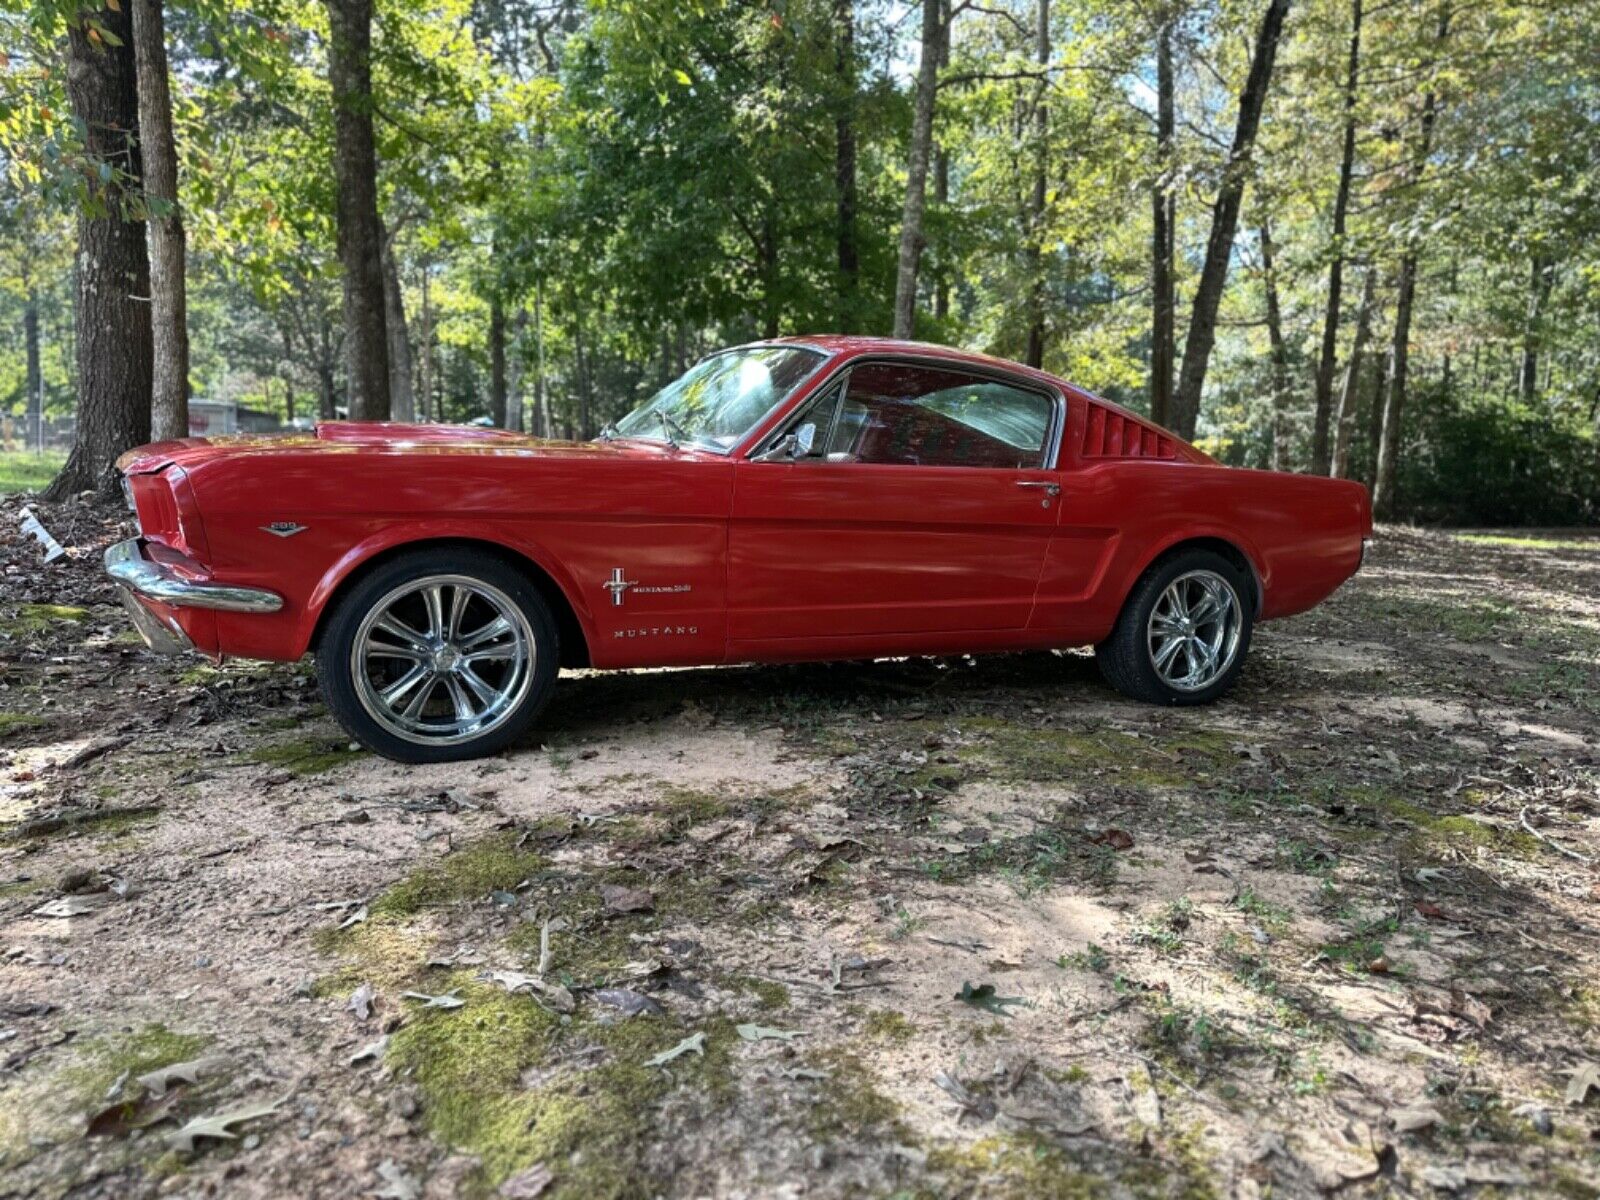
(1125, 657)
(505, 592)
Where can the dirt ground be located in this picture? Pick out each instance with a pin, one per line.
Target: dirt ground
(924, 928)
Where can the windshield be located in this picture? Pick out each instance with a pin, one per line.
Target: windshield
(722, 398)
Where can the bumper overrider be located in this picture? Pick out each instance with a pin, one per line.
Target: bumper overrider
(141, 579)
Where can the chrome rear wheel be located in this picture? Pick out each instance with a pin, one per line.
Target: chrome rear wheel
(1193, 632)
(443, 659)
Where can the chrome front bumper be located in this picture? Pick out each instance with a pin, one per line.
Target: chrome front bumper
(138, 576)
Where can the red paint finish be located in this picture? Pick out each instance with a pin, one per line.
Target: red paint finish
(733, 559)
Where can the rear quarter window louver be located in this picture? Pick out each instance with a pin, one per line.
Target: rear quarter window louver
(1109, 434)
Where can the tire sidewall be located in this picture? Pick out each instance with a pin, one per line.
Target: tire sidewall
(334, 669)
(1149, 593)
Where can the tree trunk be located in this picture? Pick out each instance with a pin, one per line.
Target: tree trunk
(1341, 205)
(1538, 296)
(583, 383)
(1383, 482)
(1387, 467)
(34, 400)
(402, 396)
(541, 389)
(327, 408)
(169, 399)
(1041, 171)
(113, 266)
(911, 235)
(1224, 222)
(427, 346)
(1280, 355)
(288, 373)
(1163, 202)
(355, 163)
(497, 360)
(514, 372)
(844, 172)
(1344, 428)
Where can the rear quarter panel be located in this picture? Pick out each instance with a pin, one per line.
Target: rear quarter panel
(1302, 535)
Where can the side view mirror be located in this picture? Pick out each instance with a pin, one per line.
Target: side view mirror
(791, 445)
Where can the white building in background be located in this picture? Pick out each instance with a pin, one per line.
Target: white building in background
(218, 418)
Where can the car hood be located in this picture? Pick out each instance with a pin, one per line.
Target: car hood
(381, 437)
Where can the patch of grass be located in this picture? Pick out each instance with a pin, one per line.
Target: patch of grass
(1272, 916)
(27, 471)
(770, 995)
(1465, 620)
(95, 820)
(511, 1083)
(1090, 958)
(888, 1025)
(307, 757)
(849, 1105)
(1018, 752)
(14, 722)
(495, 864)
(37, 618)
(1528, 542)
(1365, 945)
(1014, 1167)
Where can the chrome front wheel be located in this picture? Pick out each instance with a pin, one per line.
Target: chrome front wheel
(442, 659)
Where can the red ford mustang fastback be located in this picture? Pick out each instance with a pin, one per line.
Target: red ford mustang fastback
(809, 498)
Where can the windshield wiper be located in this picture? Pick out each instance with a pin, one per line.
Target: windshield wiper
(668, 425)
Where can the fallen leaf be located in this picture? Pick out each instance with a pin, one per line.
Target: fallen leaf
(156, 1082)
(75, 905)
(1415, 1118)
(218, 1125)
(978, 1106)
(558, 997)
(631, 1003)
(619, 899)
(398, 1183)
(763, 1033)
(360, 1001)
(372, 1050)
(695, 1043)
(1430, 910)
(529, 1184)
(355, 918)
(983, 996)
(123, 1117)
(1117, 839)
(1584, 1076)
(448, 1000)
(1379, 965)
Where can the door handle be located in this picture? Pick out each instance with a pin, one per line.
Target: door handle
(1051, 489)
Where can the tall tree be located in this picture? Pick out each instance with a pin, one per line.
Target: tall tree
(1323, 406)
(1224, 223)
(1279, 353)
(1543, 279)
(169, 306)
(34, 404)
(402, 395)
(1386, 469)
(1041, 171)
(1163, 202)
(497, 357)
(112, 278)
(360, 234)
(1344, 426)
(912, 238)
(844, 170)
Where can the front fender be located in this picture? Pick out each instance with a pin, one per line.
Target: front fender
(422, 533)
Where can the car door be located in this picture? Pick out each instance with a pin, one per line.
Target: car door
(920, 501)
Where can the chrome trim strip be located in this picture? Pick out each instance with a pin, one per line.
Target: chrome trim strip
(126, 563)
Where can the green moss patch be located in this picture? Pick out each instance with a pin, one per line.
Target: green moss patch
(88, 820)
(1016, 1168)
(11, 722)
(37, 618)
(513, 1084)
(311, 757)
(1046, 754)
(495, 864)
